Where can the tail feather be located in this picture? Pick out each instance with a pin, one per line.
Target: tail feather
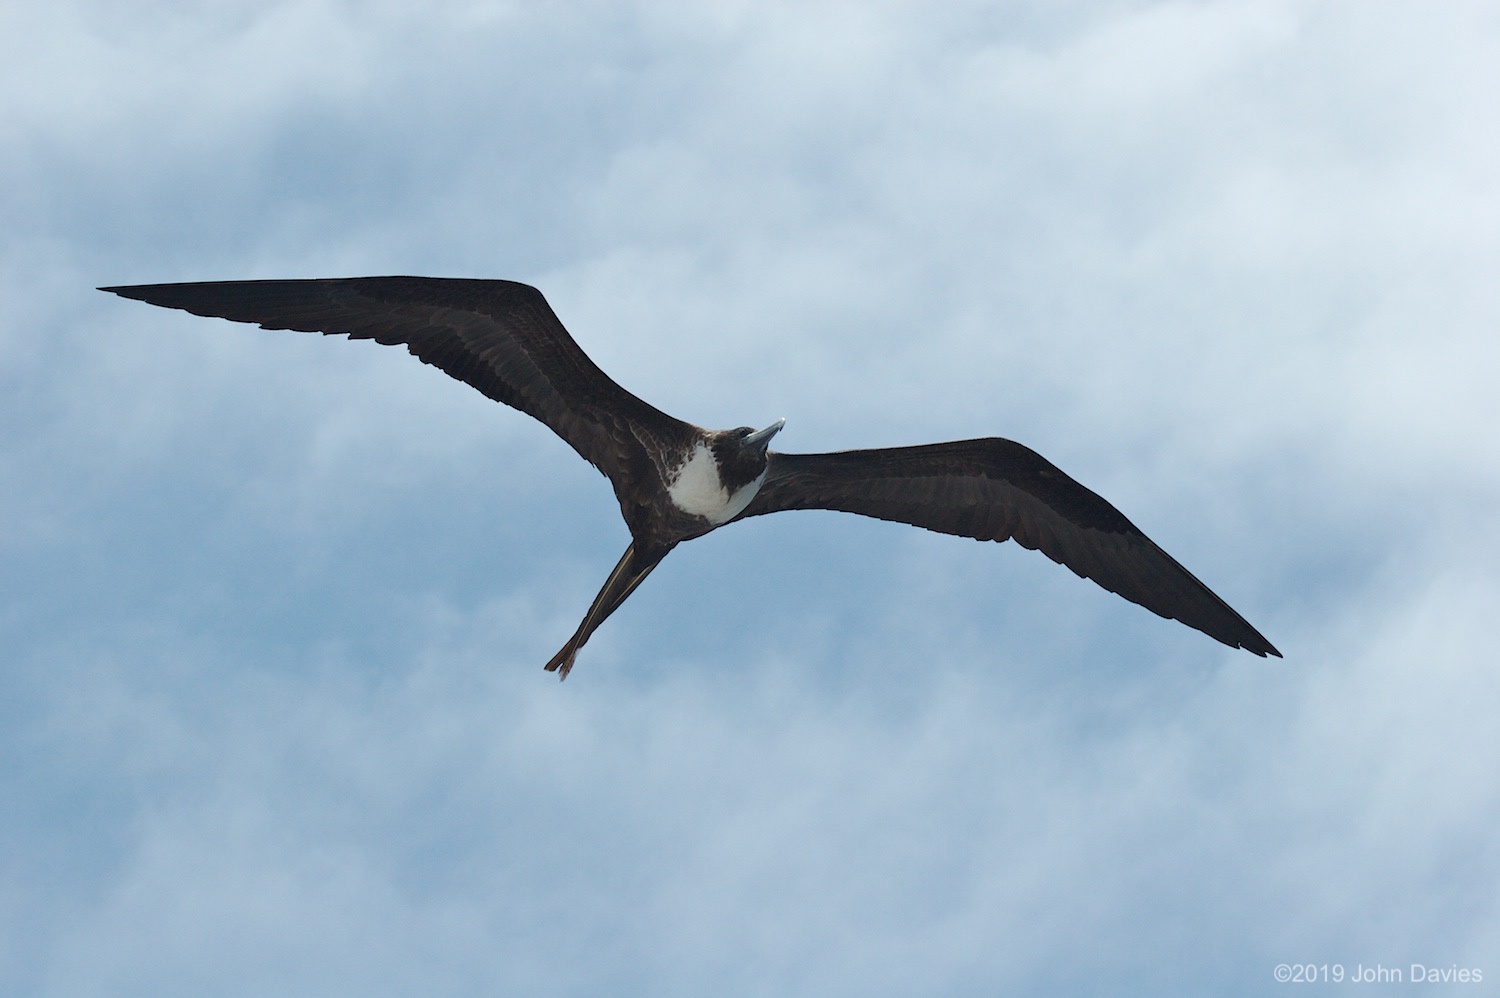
(629, 573)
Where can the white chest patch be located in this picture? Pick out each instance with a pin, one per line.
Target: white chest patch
(698, 490)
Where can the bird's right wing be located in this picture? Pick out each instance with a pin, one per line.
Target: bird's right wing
(995, 489)
(501, 337)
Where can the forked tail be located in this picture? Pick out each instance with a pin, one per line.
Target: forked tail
(629, 573)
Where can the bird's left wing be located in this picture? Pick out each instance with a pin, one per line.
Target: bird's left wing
(501, 337)
(995, 489)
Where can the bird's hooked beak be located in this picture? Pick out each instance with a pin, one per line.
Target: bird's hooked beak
(760, 438)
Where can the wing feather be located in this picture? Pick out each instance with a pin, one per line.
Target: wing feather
(995, 489)
(501, 337)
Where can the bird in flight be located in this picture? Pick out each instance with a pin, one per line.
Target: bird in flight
(676, 481)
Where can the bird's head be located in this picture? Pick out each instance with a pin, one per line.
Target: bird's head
(758, 440)
(741, 452)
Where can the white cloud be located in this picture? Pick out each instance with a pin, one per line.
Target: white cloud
(277, 604)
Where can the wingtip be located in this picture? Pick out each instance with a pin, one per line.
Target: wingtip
(1260, 646)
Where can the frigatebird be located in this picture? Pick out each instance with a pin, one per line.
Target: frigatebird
(676, 481)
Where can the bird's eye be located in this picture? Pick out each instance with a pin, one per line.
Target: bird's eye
(743, 431)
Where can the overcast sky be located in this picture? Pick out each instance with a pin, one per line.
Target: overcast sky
(273, 607)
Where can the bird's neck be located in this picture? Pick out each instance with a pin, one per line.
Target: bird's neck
(716, 481)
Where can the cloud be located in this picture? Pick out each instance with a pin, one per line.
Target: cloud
(276, 604)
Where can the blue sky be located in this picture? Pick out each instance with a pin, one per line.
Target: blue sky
(274, 611)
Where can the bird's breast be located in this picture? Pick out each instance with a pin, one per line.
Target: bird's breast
(697, 488)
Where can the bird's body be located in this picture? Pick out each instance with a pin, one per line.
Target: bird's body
(676, 481)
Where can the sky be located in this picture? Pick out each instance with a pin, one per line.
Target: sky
(273, 607)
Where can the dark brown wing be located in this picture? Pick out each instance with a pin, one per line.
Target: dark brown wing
(499, 336)
(998, 490)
